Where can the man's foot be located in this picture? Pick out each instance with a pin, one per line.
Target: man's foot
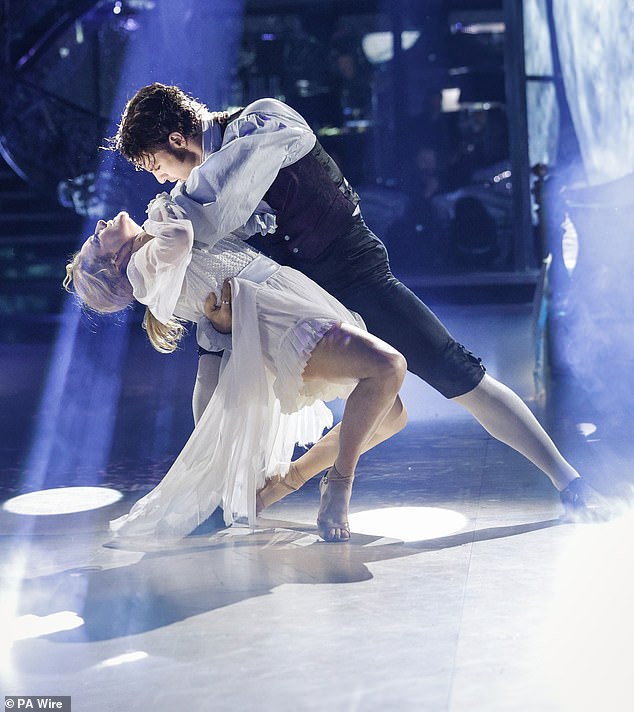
(582, 503)
(332, 519)
(277, 487)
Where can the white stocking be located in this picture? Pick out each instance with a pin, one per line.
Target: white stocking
(206, 382)
(506, 417)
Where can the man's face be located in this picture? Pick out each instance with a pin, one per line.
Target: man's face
(175, 162)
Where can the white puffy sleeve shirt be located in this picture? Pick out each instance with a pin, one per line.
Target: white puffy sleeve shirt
(156, 271)
(222, 193)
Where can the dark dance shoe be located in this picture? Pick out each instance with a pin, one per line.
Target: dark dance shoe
(582, 503)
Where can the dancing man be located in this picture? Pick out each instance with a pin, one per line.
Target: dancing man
(266, 154)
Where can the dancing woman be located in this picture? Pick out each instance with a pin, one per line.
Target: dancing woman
(292, 346)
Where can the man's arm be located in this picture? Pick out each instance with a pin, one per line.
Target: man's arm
(228, 186)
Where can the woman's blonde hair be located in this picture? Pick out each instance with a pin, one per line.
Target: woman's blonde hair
(103, 287)
(99, 283)
(163, 337)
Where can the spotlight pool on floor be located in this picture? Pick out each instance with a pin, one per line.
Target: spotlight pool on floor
(34, 626)
(408, 523)
(62, 500)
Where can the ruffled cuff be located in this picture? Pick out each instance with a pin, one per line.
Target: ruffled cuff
(210, 339)
(262, 222)
(163, 208)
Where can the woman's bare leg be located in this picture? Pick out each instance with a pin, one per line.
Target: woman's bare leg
(322, 456)
(347, 352)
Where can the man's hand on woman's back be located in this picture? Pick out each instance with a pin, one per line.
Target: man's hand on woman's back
(219, 314)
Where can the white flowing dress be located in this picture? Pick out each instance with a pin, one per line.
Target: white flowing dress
(261, 407)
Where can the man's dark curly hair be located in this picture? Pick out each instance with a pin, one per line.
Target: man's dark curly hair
(148, 119)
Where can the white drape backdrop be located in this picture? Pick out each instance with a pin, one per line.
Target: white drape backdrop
(597, 59)
(591, 319)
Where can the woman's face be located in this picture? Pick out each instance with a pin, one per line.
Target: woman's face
(113, 238)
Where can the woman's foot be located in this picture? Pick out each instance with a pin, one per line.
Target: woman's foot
(277, 487)
(332, 519)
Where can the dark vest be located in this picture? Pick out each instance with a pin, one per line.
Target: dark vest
(313, 202)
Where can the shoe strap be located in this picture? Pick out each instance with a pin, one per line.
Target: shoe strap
(336, 476)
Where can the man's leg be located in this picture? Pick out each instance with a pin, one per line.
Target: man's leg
(204, 387)
(355, 270)
(206, 381)
(504, 415)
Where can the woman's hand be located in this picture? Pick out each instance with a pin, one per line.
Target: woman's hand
(140, 239)
(220, 314)
(219, 116)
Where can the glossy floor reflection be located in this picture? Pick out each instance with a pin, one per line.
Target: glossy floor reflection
(461, 590)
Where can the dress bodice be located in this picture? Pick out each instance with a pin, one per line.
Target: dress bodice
(207, 271)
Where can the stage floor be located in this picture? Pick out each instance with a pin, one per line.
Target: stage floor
(461, 589)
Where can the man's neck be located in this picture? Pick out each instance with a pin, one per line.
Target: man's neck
(210, 138)
(196, 146)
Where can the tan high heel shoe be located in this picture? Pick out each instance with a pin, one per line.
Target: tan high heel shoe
(335, 490)
(278, 487)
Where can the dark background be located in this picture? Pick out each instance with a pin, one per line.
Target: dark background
(437, 175)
